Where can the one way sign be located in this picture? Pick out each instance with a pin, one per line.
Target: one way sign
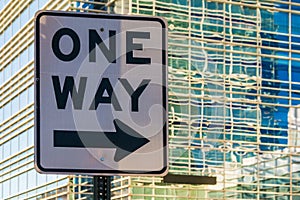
(101, 94)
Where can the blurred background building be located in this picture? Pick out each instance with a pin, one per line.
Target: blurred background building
(234, 100)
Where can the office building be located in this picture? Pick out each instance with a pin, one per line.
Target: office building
(234, 82)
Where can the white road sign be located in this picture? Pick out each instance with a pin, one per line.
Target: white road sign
(100, 94)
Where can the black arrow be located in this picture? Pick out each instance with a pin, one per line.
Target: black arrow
(125, 139)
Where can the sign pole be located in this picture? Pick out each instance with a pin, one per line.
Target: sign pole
(102, 187)
(95, 188)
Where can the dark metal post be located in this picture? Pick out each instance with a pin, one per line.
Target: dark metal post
(102, 186)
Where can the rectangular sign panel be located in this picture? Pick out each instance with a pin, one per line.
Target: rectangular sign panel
(100, 94)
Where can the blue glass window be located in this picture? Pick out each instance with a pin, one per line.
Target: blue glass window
(295, 24)
(282, 20)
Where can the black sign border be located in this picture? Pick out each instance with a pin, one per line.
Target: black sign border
(37, 159)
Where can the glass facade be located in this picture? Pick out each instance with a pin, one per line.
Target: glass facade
(18, 178)
(234, 80)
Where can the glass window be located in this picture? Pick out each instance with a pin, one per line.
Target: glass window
(23, 182)
(196, 3)
(7, 110)
(14, 145)
(15, 105)
(32, 176)
(14, 185)
(1, 77)
(281, 20)
(6, 150)
(15, 65)
(6, 188)
(295, 24)
(24, 17)
(9, 33)
(6, 36)
(62, 182)
(31, 52)
(42, 3)
(1, 115)
(30, 137)
(7, 72)
(16, 25)
(33, 8)
(23, 99)
(1, 40)
(21, 20)
(1, 192)
(23, 140)
(1, 155)
(51, 178)
(1, 7)
(41, 179)
(296, 7)
(24, 57)
(30, 94)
